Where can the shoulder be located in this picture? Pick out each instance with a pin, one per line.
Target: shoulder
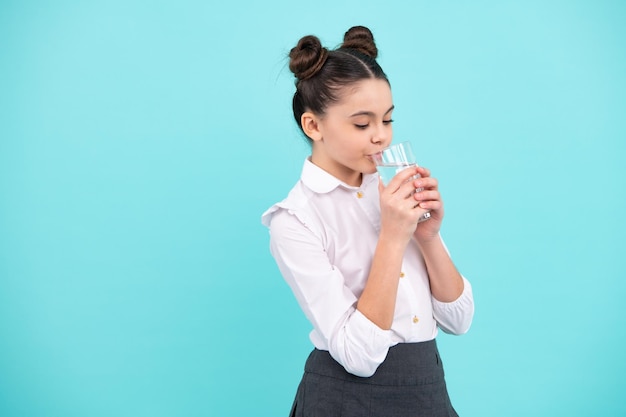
(296, 206)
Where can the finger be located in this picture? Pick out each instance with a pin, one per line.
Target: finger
(431, 205)
(419, 210)
(407, 190)
(401, 178)
(427, 195)
(423, 171)
(427, 183)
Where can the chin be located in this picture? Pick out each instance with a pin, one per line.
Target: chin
(369, 167)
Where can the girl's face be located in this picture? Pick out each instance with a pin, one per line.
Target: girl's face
(352, 130)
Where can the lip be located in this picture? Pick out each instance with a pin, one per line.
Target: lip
(372, 156)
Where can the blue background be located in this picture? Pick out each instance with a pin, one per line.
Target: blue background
(141, 141)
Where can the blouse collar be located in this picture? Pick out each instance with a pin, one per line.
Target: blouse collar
(321, 182)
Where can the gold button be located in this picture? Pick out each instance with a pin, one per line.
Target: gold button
(401, 274)
(415, 319)
(359, 194)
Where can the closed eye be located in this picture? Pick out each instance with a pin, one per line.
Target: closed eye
(365, 126)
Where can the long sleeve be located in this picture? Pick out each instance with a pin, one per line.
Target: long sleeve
(455, 317)
(320, 288)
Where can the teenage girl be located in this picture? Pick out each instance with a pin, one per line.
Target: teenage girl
(375, 283)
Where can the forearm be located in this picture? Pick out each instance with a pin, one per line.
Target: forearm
(378, 300)
(446, 283)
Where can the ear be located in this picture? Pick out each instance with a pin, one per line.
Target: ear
(310, 125)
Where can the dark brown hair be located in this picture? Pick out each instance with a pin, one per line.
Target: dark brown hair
(321, 74)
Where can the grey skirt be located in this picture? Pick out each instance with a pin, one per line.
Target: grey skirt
(409, 383)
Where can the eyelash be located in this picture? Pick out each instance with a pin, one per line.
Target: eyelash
(385, 122)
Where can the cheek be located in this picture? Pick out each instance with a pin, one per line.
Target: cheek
(334, 135)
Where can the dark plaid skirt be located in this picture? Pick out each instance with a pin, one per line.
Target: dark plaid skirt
(409, 383)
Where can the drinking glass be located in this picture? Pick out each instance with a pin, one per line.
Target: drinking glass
(394, 159)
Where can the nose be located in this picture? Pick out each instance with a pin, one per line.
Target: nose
(382, 135)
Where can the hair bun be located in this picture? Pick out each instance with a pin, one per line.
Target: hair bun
(361, 39)
(307, 57)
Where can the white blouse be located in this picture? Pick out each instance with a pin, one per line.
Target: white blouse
(323, 237)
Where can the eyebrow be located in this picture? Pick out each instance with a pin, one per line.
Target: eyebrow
(369, 113)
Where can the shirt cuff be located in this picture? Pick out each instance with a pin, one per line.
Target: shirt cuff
(362, 347)
(456, 316)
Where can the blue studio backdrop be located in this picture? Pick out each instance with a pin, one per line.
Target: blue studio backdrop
(141, 141)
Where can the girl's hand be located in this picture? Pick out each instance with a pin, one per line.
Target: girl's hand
(399, 208)
(428, 199)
